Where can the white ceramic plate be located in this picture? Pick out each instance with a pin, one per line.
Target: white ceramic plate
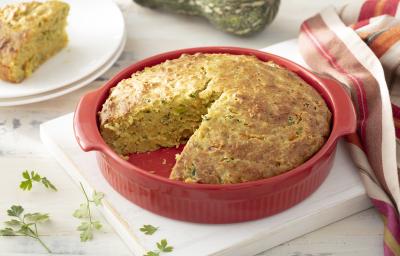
(66, 89)
(96, 30)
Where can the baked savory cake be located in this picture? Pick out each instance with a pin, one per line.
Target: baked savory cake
(30, 33)
(243, 119)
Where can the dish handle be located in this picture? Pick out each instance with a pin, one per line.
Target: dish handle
(345, 118)
(85, 123)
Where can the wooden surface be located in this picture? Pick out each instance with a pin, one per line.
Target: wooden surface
(149, 32)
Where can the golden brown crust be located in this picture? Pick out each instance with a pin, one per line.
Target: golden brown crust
(260, 119)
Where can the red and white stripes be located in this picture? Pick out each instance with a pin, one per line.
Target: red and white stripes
(353, 45)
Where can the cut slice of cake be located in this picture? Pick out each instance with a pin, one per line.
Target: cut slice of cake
(242, 119)
(30, 33)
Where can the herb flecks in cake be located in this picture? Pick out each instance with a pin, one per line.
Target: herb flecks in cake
(242, 119)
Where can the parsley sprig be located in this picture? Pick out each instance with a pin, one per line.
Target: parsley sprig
(148, 229)
(162, 247)
(84, 212)
(33, 176)
(24, 225)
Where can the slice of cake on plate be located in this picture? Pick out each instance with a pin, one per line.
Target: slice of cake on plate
(30, 33)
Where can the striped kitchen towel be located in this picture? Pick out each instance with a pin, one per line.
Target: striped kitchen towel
(359, 45)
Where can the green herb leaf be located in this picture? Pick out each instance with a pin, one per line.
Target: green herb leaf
(86, 235)
(15, 211)
(291, 120)
(26, 230)
(148, 229)
(26, 225)
(13, 223)
(26, 185)
(36, 217)
(34, 177)
(25, 174)
(87, 227)
(97, 225)
(163, 246)
(151, 253)
(83, 226)
(97, 197)
(7, 232)
(82, 212)
(168, 249)
(193, 171)
(48, 184)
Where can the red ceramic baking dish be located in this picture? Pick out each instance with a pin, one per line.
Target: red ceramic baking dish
(143, 179)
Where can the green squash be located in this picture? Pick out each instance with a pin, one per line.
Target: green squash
(239, 17)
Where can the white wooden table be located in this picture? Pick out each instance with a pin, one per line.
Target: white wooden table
(149, 32)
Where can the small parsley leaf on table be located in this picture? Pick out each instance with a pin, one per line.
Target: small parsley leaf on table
(48, 184)
(148, 229)
(7, 232)
(97, 197)
(33, 176)
(162, 247)
(36, 217)
(15, 211)
(25, 225)
(86, 231)
(84, 212)
(151, 253)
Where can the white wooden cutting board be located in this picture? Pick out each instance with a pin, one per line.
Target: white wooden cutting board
(341, 195)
